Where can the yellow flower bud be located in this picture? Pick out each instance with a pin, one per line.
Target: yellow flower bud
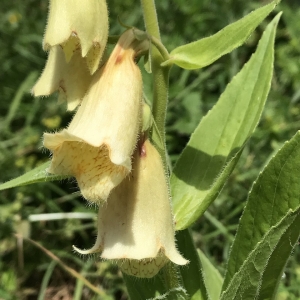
(77, 24)
(97, 146)
(70, 79)
(135, 227)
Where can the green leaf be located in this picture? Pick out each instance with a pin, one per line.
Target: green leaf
(216, 144)
(191, 274)
(250, 281)
(165, 285)
(269, 227)
(212, 278)
(38, 174)
(140, 288)
(153, 288)
(204, 52)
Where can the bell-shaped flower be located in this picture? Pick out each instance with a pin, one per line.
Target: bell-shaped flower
(97, 146)
(77, 24)
(71, 79)
(75, 36)
(135, 226)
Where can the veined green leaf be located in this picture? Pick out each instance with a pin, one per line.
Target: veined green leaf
(38, 174)
(212, 278)
(250, 281)
(192, 273)
(215, 146)
(204, 52)
(269, 227)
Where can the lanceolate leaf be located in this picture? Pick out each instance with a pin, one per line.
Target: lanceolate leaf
(250, 281)
(192, 273)
(207, 50)
(212, 278)
(215, 146)
(38, 174)
(269, 227)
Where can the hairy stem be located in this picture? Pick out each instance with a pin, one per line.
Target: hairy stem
(160, 80)
(159, 108)
(150, 17)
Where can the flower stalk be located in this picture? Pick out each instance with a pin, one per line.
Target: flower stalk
(159, 109)
(160, 80)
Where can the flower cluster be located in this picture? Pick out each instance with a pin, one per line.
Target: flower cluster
(104, 146)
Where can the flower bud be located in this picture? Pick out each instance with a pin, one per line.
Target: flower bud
(135, 227)
(97, 146)
(147, 117)
(76, 24)
(70, 79)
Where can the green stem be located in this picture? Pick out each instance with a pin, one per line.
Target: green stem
(160, 47)
(150, 17)
(159, 108)
(160, 80)
(172, 281)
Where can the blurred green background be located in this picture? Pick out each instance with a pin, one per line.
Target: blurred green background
(25, 271)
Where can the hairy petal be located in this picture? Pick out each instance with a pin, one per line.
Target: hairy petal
(135, 226)
(70, 79)
(77, 24)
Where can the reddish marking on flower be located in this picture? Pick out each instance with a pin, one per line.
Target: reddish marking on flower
(74, 33)
(143, 151)
(62, 86)
(80, 169)
(119, 59)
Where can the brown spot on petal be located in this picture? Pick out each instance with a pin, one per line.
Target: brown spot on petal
(142, 146)
(119, 59)
(143, 152)
(95, 173)
(62, 87)
(144, 268)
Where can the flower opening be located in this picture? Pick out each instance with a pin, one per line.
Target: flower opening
(135, 226)
(105, 127)
(77, 24)
(71, 79)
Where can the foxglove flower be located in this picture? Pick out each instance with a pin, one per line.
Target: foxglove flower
(70, 79)
(75, 37)
(77, 24)
(135, 226)
(97, 146)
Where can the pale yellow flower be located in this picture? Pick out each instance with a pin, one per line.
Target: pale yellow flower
(97, 146)
(135, 226)
(71, 79)
(75, 37)
(77, 24)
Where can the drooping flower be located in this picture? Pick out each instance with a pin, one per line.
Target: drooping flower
(71, 79)
(135, 226)
(97, 146)
(77, 24)
(75, 37)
